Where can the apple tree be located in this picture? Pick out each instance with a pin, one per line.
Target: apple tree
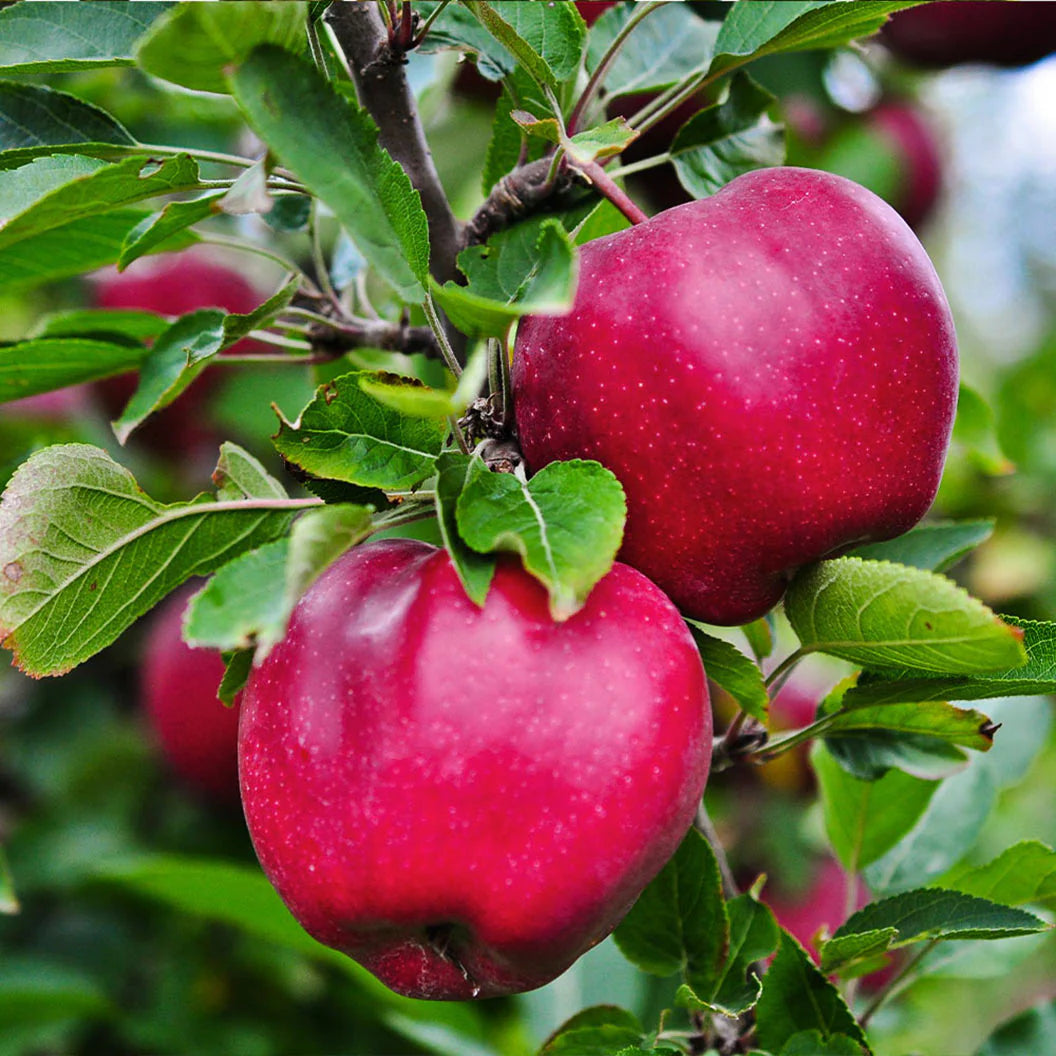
(497, 437)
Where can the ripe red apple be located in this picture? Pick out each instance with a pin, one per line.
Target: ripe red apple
(465, 800)
(771, 372)
(948, 33)
(197, 733)
(173, 284)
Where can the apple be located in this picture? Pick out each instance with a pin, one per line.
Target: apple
(822, 905)
(951, 32)
(171, 285)
(908, 135)
(198, 735)
(771, 372)
(465, 800)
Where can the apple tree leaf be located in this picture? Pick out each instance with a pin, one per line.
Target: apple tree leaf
(733, 137)
(931, 546)
(58, 190)
(566, 523)
(48, 363)
(848, 951)
(934, 913)
(766, 27)
(1025, 872)
(882, 615)
(796, 997)
(602, 141)
(1032, 1031)
(680, 923)
(814, 1043)
(863, 819)
(474, 570)
(238, 474)
(411, 397)
(54, 38)
(731, 669)
(975, 434)
(754, 935)
(84, 552)
(519, 92)
(546, 39)
(76, 247)
(345, 434)
(36, 120)
(457, 27)
(194, 44)
(1037, 676)
(238, 324)
(760, 636)
(332, 146)
(530, 268)
(128, 325)
(596, 1031)
(670, 45)
(178, 356)
(156, 228)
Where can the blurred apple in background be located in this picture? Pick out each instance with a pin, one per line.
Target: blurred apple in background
(196, 732)
(952, 32)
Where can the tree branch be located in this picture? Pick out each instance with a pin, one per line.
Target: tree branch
(338, 338)
(381, 83)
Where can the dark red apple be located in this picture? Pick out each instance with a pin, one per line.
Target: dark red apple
(906, 132)
(771, 372)
(197, 733)
(465, 800)
(171, 285)
(950, 32)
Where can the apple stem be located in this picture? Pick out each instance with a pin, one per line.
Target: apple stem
(608, 188)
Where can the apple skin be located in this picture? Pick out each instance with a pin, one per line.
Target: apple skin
(951, 32)
(465, 800)
(771, 373)
(197, 734)
(905, 130)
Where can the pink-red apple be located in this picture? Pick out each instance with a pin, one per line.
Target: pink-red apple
(197, 734)
(771, 372)
(462, 799)
(951, 32)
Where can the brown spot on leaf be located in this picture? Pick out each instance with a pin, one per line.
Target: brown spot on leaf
(92, 586)
(13, 571)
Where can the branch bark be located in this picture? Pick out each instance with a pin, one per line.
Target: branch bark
(381, 83)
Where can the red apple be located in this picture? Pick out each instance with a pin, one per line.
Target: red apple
(907, 134)
(60, 405)
(197, 733)
(173, 284)
(465, 800)
(822, 905)
(771, 372)
(951, 32)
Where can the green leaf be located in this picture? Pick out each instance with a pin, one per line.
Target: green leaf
(930, 546)
(48, 363)
(1025, 872)
(882, 615)
(333, 148)
(129, 325)
(1033, 1031)
(154, 230)
(566, 523)
(765, 27)
(38, 991)
(728, 139)
(975, 434)
(178, 356)
(504, 147)
(35, 120)
(546, 39)
(457, 27)
(849, 951)
(754, 935)
(345, 434)
(921, 738)
(530, 268)
(474, 570)
(59, 190)
(602, 141)
(238, 325)
(760, 637)
(8, 899)
(863, 819)
(50, 38)
(933, 913)
(84, 552)
(195, 44)
(237, 668)
(1036, 676)
(596, 1031)
(670, 45)
(409, 396)
(730, 668)
(812, 1043)
(75, 248)
(679, 923)
(238, 474)
(797, 997)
